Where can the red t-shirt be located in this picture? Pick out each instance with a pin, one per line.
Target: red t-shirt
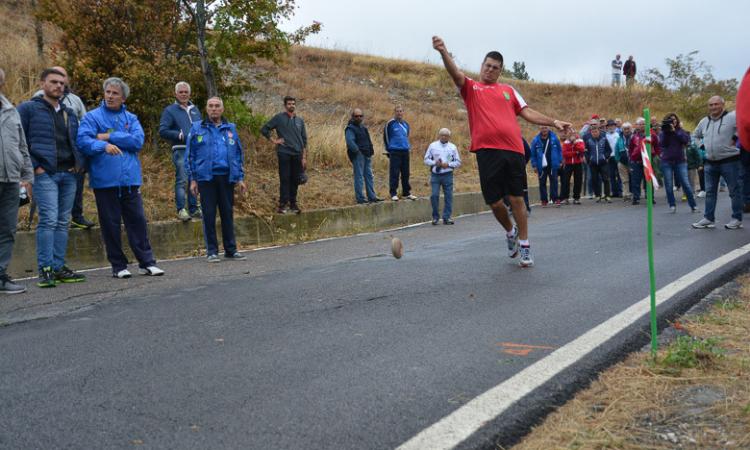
(743, 112)
(492, 110)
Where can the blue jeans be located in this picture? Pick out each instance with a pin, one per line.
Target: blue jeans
(362, 166)
(182, 182)
(550, 173)
(615, 183)
(636, 178)
(446, 181)
(672, 171)
(745, 158)
(732, 173)
(54, 195)
(589, 182)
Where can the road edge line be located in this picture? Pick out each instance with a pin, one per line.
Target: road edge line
(459, 425)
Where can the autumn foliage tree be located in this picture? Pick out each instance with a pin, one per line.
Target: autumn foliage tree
(154, 44)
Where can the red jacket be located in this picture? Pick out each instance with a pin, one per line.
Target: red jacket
(573, 151)
(743, 112)
(634, 151)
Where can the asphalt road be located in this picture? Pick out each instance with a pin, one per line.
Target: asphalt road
(331, 344)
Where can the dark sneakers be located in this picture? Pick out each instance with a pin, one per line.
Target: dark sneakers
(294, 209)
(236, 256)
(7, 286)
(46, 278)
(81, 223)
(65, 275)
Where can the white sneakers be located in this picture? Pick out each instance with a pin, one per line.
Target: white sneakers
(124, 273)
(151, 271)
(183, 215)
(733, 224)
(409, 197)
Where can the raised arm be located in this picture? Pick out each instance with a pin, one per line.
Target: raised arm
(540, 119)
(450, 65)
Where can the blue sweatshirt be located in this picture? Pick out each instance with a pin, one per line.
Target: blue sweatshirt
(396, 136)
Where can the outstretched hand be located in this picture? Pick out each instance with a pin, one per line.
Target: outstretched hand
(561, 125)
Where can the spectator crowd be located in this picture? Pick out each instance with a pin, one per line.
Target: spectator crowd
(50, 143)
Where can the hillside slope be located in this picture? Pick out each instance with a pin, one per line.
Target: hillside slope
(328, 84)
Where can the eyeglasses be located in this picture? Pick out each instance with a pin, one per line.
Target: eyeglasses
(358, 115)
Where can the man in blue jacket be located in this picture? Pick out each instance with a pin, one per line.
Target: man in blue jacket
(111, 137)
(546, 159)
(597, 154)
(396, 139)
(214, 163)
(50, 130)
(175, 124)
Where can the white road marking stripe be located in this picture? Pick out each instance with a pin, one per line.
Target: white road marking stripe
(463, 422)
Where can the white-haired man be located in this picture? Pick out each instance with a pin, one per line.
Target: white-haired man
(111, 137)
(716, 132)
(443, 158)
(174, 126)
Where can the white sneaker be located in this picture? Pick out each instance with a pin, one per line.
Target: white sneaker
(512, 243)
(124, 273)
(412, 197)
(394, 198)
(526, 258)
(704, 223)
(672, 209)
(701, 194)
(183, 215)
(152, 271)
(733, 224)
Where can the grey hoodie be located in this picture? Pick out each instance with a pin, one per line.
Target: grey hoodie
(717, 135)
(15, 163)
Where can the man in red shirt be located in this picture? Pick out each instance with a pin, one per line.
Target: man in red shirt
(492, 108)
(743, 112)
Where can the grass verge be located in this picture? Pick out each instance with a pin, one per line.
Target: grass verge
(694, 395)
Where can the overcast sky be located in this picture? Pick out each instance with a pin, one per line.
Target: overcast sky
(573, 45)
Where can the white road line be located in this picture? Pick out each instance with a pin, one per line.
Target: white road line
(462, 423)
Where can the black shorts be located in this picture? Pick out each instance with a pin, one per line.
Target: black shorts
(501, 173)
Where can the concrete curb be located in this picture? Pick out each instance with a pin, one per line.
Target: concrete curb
(173, 239)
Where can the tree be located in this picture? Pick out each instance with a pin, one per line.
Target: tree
(690, 82)
(154, 44)
(241, 30)
(519, 71)
(147, 45)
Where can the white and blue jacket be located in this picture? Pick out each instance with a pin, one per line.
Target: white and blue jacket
(396, 136)
(125, 131)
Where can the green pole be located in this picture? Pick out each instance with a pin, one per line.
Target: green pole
(650, 235)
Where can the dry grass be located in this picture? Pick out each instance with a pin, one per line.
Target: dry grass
(328, 84)
(639, 404)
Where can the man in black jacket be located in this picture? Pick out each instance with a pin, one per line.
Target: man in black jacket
(360, 150)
